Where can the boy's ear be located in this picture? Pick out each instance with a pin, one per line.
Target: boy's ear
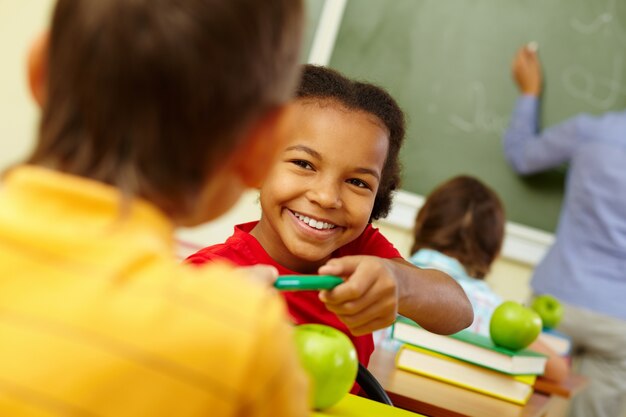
(38, 68)
(265, 139)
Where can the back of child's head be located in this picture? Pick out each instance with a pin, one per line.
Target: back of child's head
(462, 218)
(152, 95)
(324, 85)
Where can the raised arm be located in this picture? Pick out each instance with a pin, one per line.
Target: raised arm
(526, 148)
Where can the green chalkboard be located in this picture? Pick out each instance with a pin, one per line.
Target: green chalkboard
(448, 64)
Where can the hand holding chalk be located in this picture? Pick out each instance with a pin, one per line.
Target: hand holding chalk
(527, 69)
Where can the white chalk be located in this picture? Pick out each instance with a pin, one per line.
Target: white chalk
(532, 46)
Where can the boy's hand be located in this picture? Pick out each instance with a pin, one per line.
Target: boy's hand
(263, 274)
(368, 300)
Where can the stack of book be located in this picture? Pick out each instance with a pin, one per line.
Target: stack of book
(559, 342)
(468, 360)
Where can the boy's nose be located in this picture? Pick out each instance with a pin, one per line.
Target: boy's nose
(326, 194)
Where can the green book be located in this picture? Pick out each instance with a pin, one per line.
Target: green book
(471, 347)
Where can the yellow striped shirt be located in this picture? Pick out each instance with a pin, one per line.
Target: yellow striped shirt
(98, 318)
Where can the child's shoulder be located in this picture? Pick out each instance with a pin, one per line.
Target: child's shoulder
(220, 251)
(213, 307)
(219, 283)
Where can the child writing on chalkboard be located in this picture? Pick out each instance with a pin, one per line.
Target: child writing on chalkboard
(585, 266)
(334, 176)
(459, 230)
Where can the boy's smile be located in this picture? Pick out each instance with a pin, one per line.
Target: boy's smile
(320, 193)
(316, 224)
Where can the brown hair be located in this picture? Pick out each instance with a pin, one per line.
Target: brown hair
(151, 95)
(325, 83)
(462, 218)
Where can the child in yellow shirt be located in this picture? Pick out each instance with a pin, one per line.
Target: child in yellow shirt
(151, 114)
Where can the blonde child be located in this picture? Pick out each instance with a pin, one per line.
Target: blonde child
(459, 230)
(151, 113)
(333, 177)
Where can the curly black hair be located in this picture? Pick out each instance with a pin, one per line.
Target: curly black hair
(325, 83)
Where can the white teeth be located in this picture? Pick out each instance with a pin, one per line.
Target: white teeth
(316, 224)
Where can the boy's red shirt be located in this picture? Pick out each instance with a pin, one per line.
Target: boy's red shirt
(304, 306)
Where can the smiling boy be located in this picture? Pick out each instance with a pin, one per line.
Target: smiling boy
(335, 174)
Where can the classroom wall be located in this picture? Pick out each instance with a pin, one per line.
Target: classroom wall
(21, 21)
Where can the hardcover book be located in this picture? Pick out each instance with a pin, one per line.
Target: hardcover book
(471, 347)
(515, 389)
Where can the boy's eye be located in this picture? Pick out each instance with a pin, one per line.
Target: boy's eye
(359, 183)
(302, 164)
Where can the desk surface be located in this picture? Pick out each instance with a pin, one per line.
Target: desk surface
(436, 398)
(353, 406)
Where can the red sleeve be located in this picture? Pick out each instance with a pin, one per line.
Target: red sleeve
(234, 251)
(204, 255)
(372, 243)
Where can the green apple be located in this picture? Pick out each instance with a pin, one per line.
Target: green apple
(514, 326)
(549, 309)
(329, 358)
